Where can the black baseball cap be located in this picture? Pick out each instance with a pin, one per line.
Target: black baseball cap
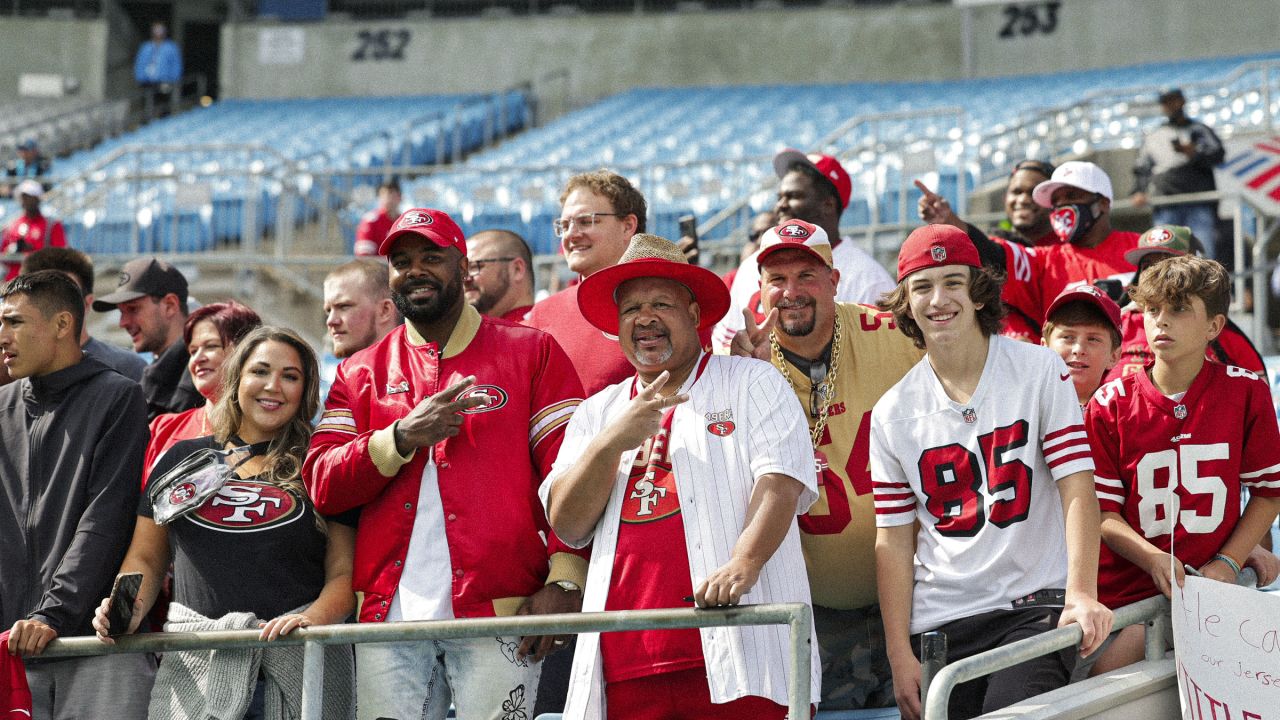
(141, 277)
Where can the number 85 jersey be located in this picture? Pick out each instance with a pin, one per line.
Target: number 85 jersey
(1174, 468)
(980, 478)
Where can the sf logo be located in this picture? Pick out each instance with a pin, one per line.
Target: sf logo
(648, 494)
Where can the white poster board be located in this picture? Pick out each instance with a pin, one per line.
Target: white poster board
(1227, 650)
(281, 45)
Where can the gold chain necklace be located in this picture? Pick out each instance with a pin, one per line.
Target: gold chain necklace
(828, 387)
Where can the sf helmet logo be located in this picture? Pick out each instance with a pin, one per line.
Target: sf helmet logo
(1159, 236)
(721, 429)
(938, 253)
(795, 232)
(494, 398)
(416, 217)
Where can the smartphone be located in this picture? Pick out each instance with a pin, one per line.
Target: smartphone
(123, 594)
(1112, 287)
(689, 229)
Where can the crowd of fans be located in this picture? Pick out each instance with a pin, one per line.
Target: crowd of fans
(882, 448)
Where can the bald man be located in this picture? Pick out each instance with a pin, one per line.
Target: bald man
(500, 280)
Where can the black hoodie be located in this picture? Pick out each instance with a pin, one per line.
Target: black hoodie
(71, 447)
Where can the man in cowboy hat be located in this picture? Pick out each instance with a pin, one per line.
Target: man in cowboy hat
(687, 479)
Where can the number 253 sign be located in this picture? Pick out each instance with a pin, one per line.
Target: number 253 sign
(388, 44)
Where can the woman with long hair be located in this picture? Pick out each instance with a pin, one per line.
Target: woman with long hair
(252, 554)
(210, 334)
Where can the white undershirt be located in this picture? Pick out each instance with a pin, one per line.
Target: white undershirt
(426, 587)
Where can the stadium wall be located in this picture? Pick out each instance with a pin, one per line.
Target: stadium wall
(74, 49)
(583, 57)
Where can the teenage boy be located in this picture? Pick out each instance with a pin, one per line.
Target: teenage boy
(987, 525)
(1173, 444)
(1083, 327)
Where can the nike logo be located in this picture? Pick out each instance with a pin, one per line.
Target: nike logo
(1064, 377)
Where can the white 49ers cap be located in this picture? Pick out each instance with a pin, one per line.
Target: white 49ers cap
(796, 235)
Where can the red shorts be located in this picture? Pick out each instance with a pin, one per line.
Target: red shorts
(682, 695)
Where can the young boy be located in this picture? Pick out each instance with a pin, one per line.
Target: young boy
(982, 445)
(1173, 444)
(1083, 327)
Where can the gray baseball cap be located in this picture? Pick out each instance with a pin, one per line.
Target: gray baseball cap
(141, 277)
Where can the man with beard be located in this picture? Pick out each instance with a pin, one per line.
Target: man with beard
(687, 479)
(151, 296)
(816, 189)
(500, 278)
(838, 358)
(418, 432)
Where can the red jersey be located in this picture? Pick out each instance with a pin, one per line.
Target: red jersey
(1232, 347)
(1221, 435)
(372, 230)
(171, 428)
(596, 356)
(27, 234)
(1054, 267)
(644, 579)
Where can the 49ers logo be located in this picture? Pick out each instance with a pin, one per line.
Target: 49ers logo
(720, 423)
(416, 217)
(247, 507)
(1158, 236)
(182, 493)
(793, 231)
(494, 398)
(1063, 221)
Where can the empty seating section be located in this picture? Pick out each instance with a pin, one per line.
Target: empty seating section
(698, 150)
(216, 173)
(183, 183)
(58, 125)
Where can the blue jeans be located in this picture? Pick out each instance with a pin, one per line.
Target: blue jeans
(1202, 218)
(418, 680)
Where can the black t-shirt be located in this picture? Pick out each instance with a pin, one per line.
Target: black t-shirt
(252, 547)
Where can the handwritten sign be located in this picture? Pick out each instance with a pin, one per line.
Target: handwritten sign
(1227, 650)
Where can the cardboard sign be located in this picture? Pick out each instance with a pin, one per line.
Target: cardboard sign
(1227, 651)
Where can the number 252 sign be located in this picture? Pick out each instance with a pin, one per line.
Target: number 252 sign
(386, 44)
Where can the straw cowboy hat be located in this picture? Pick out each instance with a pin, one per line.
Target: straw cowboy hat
(651, 256)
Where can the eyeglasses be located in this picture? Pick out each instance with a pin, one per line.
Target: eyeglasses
(584, 221)
(475, 266)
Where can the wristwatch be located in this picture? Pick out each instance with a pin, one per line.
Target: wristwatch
(568, 585)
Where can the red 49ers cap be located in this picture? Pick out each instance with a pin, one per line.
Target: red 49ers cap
(434, 225)
(936, 246)
(826, 165)
(1088, 294)
(796, 235)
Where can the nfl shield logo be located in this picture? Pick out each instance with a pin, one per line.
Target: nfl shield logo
(939, 253)
(1180, 412)
(970, 415)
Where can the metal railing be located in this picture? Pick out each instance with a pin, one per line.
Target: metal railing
(937, 693)
(797, 617)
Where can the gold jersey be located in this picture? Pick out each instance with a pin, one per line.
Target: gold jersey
(838, 533)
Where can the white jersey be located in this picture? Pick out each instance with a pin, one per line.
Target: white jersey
(980, 478)
(862, 280)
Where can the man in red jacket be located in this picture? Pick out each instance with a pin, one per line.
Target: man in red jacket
(420, 431)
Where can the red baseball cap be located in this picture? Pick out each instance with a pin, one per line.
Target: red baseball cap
(796, 235)
(1088, 294)
(936, 246)
(826, 165)
(434, 225)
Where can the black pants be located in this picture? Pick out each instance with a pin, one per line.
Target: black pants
(979, 633)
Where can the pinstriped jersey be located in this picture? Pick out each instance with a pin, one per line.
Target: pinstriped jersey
(980, 478)
(838, 533)
(1174, 468)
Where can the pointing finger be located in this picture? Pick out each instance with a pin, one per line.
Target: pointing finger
(652, 389)
(766, 327)
(924, 189)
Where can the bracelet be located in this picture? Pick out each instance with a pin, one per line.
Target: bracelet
(1231, 563)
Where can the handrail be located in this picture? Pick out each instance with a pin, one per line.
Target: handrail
(797, 616)
(1006, 656)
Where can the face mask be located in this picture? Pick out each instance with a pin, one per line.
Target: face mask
(1073, 222)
